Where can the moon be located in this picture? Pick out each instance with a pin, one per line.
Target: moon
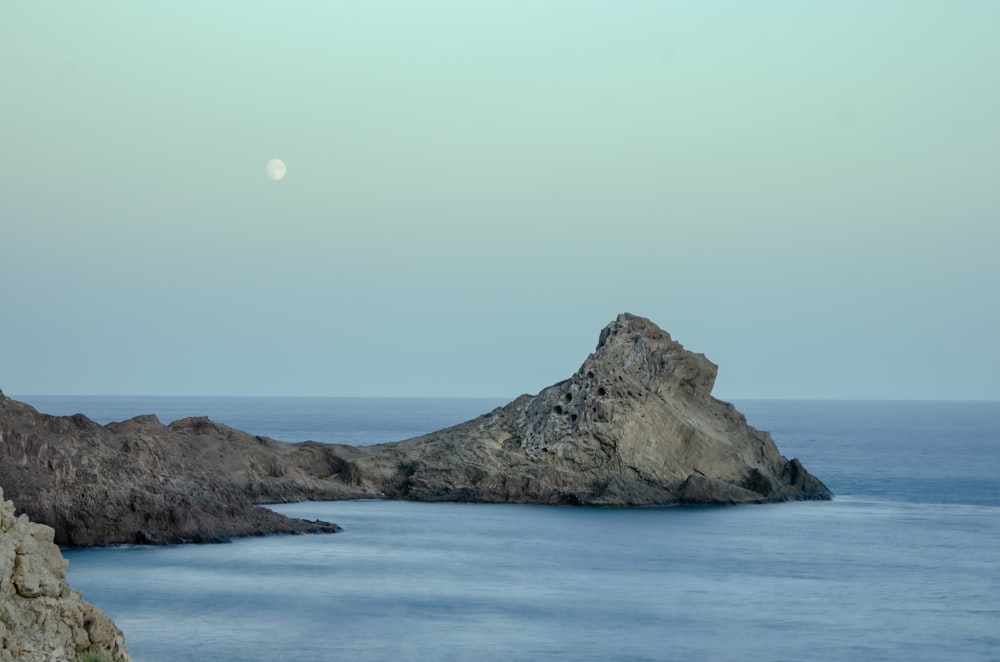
(276, 169)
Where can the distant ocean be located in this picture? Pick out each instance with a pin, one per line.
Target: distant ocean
(904, 564)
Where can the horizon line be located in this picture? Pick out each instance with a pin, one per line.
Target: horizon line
(508, 398)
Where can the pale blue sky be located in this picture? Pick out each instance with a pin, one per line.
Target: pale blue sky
(805, 192)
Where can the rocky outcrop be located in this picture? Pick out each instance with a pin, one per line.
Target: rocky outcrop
(42, 619)
(142, 482)
(635, 425)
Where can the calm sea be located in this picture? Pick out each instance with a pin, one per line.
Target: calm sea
(903, 565)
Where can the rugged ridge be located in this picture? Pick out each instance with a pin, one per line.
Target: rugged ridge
(41, 617)
(635, 425)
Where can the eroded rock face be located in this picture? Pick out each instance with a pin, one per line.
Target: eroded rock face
(42, 619)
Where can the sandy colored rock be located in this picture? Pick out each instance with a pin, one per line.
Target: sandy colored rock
(42, 619)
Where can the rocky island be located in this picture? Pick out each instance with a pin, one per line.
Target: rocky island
(635, 425)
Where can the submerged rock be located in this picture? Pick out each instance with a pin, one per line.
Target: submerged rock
(635, 425)
(41, 616)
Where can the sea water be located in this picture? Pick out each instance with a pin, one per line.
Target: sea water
(904, 564)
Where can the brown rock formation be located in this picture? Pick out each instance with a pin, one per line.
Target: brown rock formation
(41, 617)
(636, 425)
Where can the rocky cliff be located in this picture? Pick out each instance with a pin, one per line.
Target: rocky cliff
(42, 619)
(635, 425)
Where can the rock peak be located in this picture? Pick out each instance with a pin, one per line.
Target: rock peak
(627, 324)
(635, 347)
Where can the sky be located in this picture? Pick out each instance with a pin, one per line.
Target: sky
(807, 193)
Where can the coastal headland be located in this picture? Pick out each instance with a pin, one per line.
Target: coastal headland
(636, 425)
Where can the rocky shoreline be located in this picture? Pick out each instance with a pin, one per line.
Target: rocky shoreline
(635, 425)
